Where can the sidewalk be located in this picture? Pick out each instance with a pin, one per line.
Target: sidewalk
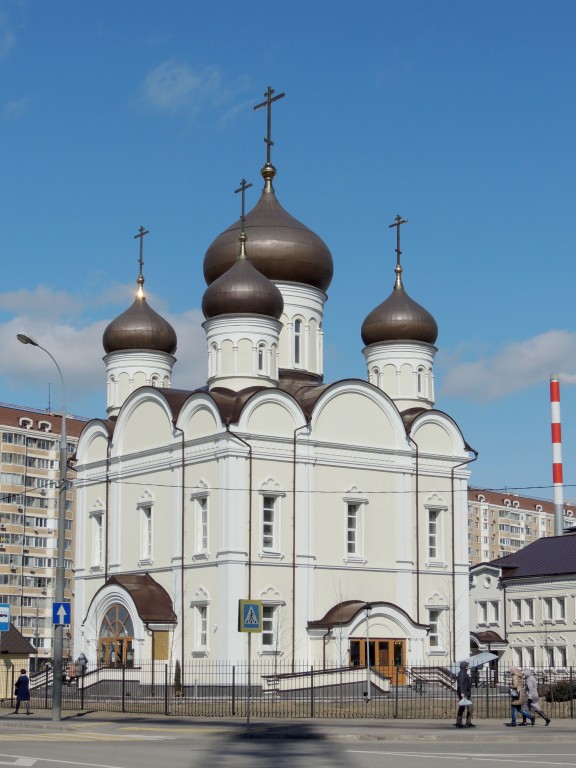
(365, 730)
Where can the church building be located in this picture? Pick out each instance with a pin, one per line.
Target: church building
(340, 506)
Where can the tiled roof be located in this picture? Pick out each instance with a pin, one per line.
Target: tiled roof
(549, 556)
(504, 499)
(14, 643)
(10, 416)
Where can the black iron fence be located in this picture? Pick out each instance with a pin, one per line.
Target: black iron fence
(280, 689)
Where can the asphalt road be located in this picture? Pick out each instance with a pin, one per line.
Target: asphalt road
(133, 742)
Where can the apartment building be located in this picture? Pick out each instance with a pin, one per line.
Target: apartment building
(29, 477)
(501, 523)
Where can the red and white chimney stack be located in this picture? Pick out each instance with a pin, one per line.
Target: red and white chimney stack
(557, 477)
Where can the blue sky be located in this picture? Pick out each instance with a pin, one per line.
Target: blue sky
(457, 115)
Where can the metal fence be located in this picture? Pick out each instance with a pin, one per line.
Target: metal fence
(279, 689)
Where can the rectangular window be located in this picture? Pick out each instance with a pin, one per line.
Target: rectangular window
(495, 611)
(269, 535)
(560, 609)
(529, 610)
(202, 524)
(352, 546)
(146, 533)
(516, 610)
(529, 656)
(269, 639)
(433, 533)
(98, 539)
(202, 626)
(547, 609)
(482, 613)
(561, 656)
(433, 620)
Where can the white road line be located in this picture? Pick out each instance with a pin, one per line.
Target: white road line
(50, 760)
(494, 758)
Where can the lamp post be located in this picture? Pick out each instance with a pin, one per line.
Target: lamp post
(367, 612)
(61, 543)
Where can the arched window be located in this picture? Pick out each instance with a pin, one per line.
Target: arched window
(421, 382)
(261, 353)
(297, 341)
(116, 638)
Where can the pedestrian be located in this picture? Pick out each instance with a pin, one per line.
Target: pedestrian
(532, 698)
(81, 664)
(464, 690)
(517, 697)
(22, 691)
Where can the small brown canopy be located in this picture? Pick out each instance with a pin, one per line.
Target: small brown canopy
(152, 602)
(14, 643)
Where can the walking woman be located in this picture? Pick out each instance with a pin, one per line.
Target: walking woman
(532, 696)
(517, 697)
(22, 690)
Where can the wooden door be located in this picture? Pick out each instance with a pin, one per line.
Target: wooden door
(387, 657)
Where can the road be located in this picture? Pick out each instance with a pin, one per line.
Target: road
(132, 742)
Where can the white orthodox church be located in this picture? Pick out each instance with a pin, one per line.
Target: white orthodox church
(323, 500)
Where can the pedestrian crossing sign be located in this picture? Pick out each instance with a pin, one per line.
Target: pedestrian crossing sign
(250, 616)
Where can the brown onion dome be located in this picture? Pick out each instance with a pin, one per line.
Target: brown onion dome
(140, 327)
(281, 247)
(399, 318)
(242, 290)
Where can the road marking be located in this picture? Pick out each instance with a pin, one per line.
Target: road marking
(67, 736)
(34, 760)
(526, 760)
(25, 761)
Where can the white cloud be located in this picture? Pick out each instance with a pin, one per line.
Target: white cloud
(57, 321)
(7, 39)
(13, 110)
(515, 367)
(174, 87)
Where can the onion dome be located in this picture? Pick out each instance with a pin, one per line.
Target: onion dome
(242, 290)
(140, 327)
(281, 247)
(399, 318)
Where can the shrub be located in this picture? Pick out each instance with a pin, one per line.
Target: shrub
(561, 691)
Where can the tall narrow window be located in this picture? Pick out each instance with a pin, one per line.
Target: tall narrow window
(269, 629)
(297, 341)
(421, 382)
(202, 626)
(433, 621)
(98, 540)
(202, 524)
(433, 533)
(352, 531)
(146, 533)
(547, 609)
(261, 358)
(269, 523)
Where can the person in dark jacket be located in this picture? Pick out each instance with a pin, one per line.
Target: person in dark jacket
(22, 689)
(464, 690)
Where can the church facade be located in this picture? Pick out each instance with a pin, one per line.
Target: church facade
(333, 504)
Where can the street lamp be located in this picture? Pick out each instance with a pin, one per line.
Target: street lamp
(61, 543)
(367, 612)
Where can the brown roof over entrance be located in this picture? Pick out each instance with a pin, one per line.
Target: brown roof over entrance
(343, 613)
(152, 601)
(14, 643)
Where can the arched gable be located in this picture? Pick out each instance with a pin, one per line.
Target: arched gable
(437, 433)
(144, 422)
(271, 412)
(200, 417)
(359, 414)
(93, 443)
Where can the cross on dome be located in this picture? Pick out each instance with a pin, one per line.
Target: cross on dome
(268, 104)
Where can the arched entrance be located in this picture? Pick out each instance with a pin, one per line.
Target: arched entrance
(116, 638)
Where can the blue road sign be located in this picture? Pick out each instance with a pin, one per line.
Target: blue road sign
(4, 617)
(250, 616)
(61, 613)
